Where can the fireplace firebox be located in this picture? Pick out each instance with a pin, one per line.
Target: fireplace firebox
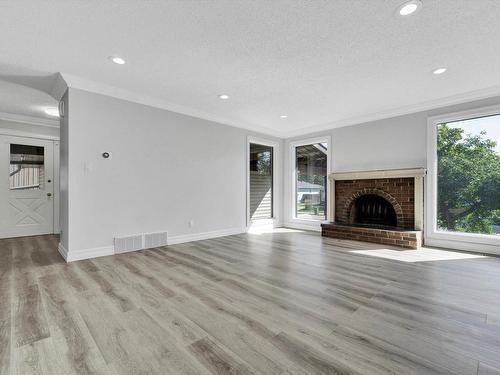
(373, 210)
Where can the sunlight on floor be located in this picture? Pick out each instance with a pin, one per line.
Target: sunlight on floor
(420, 255)
(262, 229)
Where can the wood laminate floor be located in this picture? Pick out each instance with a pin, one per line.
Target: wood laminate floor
(281, 303)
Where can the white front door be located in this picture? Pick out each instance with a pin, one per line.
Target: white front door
(26, 186)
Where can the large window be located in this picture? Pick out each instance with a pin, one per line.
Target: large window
(468, 176)
(261, 181)
(311, 166)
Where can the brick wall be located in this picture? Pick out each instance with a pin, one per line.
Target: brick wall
(400, 192)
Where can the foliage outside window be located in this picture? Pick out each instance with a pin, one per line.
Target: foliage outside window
(468, 174)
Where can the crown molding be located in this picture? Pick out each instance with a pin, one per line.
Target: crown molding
(29, 120)
(119, 93)
(462, 98)
(68, 80)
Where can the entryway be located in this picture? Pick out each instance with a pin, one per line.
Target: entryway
(28, 184)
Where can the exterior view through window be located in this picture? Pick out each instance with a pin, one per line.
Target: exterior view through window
(468, 176)
(310, 186)
(261, 182)
(26, 167)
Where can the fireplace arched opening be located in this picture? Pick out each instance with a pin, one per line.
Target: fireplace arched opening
(373, 210)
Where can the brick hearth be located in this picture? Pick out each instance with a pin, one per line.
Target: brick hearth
(404, 238)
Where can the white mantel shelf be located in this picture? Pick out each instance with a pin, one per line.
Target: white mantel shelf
(387, 173)
(417, 173)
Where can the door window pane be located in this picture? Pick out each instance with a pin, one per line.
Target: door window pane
(311, 172)
(26, 167)
(261, 181)
(468, 178)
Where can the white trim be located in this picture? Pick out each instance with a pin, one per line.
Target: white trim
(204, 235)
(268, 223)
(25, 134)
(119, 93)
(276, 178)
(465, 115)
(29, 120)
(388, 173)
(62, 250)
(467, 97)
(101, 88)
(433, 237)
(291, 219)
(474, 247)
(56, 170)
(311, 225)
(95, 252)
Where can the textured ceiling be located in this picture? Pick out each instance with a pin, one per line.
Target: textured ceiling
(319, 62)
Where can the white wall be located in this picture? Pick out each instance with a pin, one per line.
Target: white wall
(386, 144)
(166, 169)
(398, 142)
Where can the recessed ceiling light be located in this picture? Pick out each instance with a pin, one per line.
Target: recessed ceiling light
(283, 116)
(117, 60)
(410, 7)
(223, 96)
(52, 111)
(439, 71)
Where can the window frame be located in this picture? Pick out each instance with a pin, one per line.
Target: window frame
(456, 240)
(293, 220)
(275, 220)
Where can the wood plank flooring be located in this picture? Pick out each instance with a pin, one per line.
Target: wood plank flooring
(276, 303)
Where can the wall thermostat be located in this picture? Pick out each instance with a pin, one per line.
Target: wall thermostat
(106, 155)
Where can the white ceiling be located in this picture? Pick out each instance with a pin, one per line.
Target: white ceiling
(320, 62)
(16, 99)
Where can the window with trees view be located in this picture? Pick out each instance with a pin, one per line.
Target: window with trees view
(468, 176)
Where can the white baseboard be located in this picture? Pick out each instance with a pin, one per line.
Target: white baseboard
(314, 226)
(96, 252)
(204, 236)
(89, 253)
(62, 250)
(480, 248)
(270, 223)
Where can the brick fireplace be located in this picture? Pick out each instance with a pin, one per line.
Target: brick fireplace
(384, 207)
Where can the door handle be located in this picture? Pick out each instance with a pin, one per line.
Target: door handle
(49, 194)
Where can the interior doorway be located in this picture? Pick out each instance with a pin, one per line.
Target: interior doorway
(28, 186)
